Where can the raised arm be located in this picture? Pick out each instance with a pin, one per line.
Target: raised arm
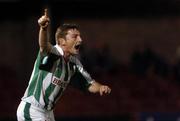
(44, 44)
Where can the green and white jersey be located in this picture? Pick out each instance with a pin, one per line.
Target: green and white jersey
(50, 77)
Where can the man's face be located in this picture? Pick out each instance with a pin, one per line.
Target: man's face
(73, 41)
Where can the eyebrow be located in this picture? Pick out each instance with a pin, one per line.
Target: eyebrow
(77, 33)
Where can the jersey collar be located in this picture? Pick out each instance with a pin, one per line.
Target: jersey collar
(59, 49)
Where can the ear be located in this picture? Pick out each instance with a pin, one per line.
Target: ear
(61, 42)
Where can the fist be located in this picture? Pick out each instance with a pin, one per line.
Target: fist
(44, 20)
(104, 90)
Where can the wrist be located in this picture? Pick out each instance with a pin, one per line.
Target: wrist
(43, 28)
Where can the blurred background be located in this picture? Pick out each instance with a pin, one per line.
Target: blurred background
(132, 46)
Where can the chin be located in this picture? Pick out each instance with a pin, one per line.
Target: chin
(75, 53)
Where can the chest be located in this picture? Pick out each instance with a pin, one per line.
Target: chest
(63, 70)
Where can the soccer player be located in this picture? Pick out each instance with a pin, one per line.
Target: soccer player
(53, 69)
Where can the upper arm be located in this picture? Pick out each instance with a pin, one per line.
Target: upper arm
(48, 59)
(81, 73)
(44, 43)
(46, 48)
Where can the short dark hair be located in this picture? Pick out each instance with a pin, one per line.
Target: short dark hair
(62, 30)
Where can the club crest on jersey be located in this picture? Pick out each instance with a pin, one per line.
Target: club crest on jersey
(59, 82)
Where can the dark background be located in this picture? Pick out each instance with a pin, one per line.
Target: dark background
(133, 46)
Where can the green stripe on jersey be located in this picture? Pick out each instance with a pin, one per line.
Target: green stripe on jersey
(38, 87)
(48, 92)
(32, 85)
(34, 76)
(51, 87)
(67, 72)
(58, 73)
(65, 79)
(26, 112)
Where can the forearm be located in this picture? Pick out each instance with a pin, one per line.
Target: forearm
(44, 43)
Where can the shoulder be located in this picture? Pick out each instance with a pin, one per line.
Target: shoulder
(75, 60)
(56, 51)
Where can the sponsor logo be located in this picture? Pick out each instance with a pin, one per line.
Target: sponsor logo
(59, 82)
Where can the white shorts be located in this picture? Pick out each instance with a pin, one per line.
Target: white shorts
(28, 112)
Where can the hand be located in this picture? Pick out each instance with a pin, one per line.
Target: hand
(104, 90)
(44, 20)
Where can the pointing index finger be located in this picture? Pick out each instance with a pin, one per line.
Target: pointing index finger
(46, 12)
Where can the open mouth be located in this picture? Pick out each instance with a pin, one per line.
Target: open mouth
(77, 47)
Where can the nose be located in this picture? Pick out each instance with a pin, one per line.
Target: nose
(79, 39)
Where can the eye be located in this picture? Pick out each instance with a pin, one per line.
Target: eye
(75, 36)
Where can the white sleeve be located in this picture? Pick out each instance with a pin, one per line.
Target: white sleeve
(80, 69)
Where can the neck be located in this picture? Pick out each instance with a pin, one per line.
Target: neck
(66, 56)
